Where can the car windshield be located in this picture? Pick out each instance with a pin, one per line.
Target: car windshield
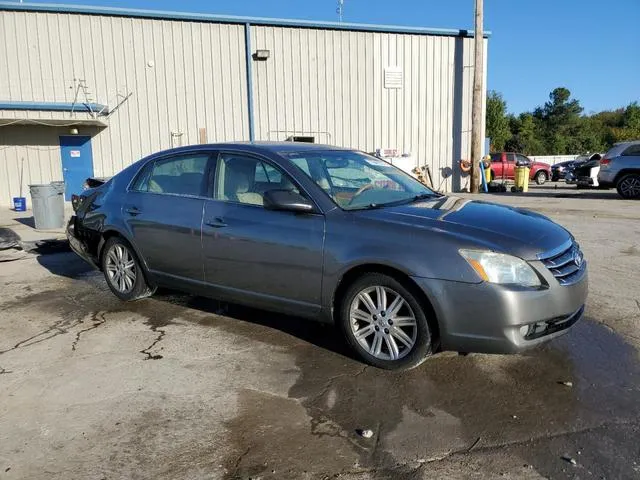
(355, 180)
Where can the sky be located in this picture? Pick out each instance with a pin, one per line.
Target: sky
(591, 47)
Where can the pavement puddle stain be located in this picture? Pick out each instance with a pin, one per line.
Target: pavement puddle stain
(501, 400)
(439, 409)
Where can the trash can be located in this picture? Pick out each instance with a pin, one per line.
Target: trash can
(48, 205)
(522, 179)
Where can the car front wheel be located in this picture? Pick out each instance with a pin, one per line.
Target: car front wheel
(541, 177)
(384, 323)
(122, 271)
(629, 186)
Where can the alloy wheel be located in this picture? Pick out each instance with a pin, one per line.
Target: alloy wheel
(383, 323)
(121, 268)
(630, 187)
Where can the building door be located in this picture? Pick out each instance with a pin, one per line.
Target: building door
(77, 162)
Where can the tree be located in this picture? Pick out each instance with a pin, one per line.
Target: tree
(559, 126)
(497, 121)
(560, 120)
(526, 135)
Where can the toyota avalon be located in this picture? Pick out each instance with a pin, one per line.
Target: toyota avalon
(335, 235)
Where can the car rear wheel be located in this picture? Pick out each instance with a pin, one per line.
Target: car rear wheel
(384, 323)
(541, 177)
(629, 186)
(123, 272)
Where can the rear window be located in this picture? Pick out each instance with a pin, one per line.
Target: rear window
(632, 151)
(616, 150)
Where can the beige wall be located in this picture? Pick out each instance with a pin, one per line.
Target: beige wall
(187, 75)
(329, 84)
(197, 80)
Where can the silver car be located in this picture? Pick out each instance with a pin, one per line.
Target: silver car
(338, 236)
(620, 168)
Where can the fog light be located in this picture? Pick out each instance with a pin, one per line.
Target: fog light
(533, 330)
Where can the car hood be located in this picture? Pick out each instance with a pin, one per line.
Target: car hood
(540, 165)
(482, 224)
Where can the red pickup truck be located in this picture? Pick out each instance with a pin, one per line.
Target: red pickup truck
(504, 163)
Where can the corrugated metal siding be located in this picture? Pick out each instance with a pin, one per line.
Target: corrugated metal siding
(324, 83)
(329, 84)
(198, 80)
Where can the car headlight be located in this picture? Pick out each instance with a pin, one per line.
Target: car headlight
(501, 268)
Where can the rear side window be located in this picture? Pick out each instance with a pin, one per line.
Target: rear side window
(632, 151)
(496, 157)
(182, 175)
(141, 183)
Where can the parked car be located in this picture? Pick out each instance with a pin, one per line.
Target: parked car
(584, 171)
(559, 170)
(570, 171)
(339, 236)
(503, 166)
(620, 168)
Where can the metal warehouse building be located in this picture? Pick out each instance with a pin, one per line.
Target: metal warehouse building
(89, 90)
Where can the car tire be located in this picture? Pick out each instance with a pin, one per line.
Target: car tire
(541, 177)
(123, 272)
(377, 336)
(628, 187)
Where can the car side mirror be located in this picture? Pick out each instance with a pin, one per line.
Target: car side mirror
(288, 201)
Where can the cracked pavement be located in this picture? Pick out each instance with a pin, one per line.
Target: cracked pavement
(236, 393)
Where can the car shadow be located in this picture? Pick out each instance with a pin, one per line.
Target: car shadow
(561, 192)
(325, 336)
(57, 258)
(322, 335)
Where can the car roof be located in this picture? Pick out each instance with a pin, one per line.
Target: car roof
(631, 142)
(258, 147)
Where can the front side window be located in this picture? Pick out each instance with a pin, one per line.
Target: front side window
(245, 179)
(182, 175)
(355, 180)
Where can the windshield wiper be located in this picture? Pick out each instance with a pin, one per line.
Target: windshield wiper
(415, 198)
(424, 196)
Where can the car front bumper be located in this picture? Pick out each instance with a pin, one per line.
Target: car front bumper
(490, 318)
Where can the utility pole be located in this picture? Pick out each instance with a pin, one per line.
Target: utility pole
(340, 9)
(476, 107)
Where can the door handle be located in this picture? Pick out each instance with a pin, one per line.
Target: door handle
(132, 211)
(216, 222)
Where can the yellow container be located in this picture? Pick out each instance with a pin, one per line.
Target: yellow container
(487, 174)
(522, 178)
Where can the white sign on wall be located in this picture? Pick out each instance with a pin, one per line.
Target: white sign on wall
(74, 153)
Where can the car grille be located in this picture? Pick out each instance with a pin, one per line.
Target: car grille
(567, 265)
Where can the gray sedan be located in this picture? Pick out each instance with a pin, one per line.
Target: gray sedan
(334, 235)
